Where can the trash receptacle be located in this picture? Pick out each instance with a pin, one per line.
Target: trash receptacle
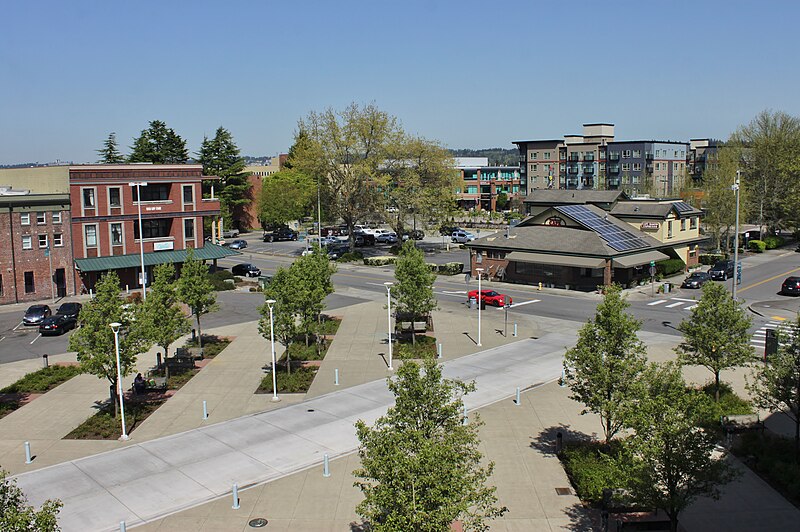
(667, 288)
(472, 303)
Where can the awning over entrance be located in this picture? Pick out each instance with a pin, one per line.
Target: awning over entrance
(560, 260)
(639, 259)
(116, 262)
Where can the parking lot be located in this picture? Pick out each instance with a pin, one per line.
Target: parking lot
(18, 342)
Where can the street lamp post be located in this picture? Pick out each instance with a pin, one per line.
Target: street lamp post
(480, 299)
(275, 398)
(735, 189)
(115, 327)
(389, 316)
(139, 185)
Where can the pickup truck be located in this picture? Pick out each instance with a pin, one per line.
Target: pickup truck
(281, 233)
(230, 233)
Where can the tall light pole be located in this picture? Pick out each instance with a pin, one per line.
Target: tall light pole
(139, 185)
(115, 327)
(389, 315)
(275, 398)
(735, 189)
(480, 299)
(319, 217)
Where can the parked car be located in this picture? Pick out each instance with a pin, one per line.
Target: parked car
(386, 237)
(364, 239)
(337, 250)
(72, 310)
(282, 233)
(230, 233)
(36, 314)
(791, 286)
(58, 324)
(696, 280)
(448, 230)
(246, 270)
(413, 234)
(462, 237)
(722, 270)
(491, 297)
(237, 244)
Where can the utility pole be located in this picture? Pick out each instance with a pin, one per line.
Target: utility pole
(736, 276)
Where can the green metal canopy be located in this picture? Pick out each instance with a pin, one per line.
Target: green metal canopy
(117, 262)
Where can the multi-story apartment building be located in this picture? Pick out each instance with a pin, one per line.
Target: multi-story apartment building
(481, 183)
(702, 156)
(650, 167)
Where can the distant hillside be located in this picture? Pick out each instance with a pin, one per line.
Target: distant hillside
(497, 156)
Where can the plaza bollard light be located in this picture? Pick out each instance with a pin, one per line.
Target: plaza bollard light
(517, 401)
(336, 377)
(439, 351)
(563, 381)
(28, 459)
(466, 417)
(326, 471)
(515, 330)
(235, 497)
(45, 360)
(122, 527)
(205, 410)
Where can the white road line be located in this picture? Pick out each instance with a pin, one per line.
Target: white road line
(686, 300)
(755, 341)
(18, 326)
(457, 292)
(37, 337)
(524, 303)
(690, 308)
(2, 338)
(660, 301)
(678, 304)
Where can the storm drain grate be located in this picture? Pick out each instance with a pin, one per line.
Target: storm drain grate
(258, 522)
(563, 491)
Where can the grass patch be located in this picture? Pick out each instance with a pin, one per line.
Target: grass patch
(104, 426)
(424, 348)
(43, 380)
(212, 344)
(177, 380)
(592, 466)
(772, 458)
(297, 382)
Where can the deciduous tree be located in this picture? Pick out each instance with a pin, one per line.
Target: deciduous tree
(159, 145)
(196, 291)
(109, 153)
(221, 157)
(16, 515)
(420, 465)
(165, 321)
(285, 196)
(311, 275)
(719, 200)
(413, 292)
(283, 290)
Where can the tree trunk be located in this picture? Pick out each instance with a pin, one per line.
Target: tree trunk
(797, 440)
(716, 386)
(673, 524)
(199, 332)
(114, 398)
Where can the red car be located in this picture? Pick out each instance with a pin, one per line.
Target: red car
(491, 297)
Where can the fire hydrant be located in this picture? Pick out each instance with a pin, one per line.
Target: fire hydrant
(540, 285)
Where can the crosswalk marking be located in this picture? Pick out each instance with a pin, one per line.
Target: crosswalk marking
(690, 308)
(524, 303)
(759, 338)
(660, 301)
(673, 305)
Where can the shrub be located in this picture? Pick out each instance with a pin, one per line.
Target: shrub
(773, 242)
(670, 266)
(221, 275)
(729, 404)
(709, 259)
(43, 380)
(351, 256)
(222, 280)
(757, 246)
(773, 458)
(379, 261)
(592, 467)
(212, 344)
(424, 348)
(395, 249)
(450, 268)
(298, 381)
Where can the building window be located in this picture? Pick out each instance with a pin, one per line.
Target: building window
(116, 234)
(41, 218)
(188, 229)
(547, 155)
(88, 198)
(156, 192)
(637, 166)
(1, 285)
(56, 217)
(25, 218)
(472, 189)
(188, 194)
(693, 222)
(114, 197)
(637, 154)
(562, 156)
(42, 241)
(90, 236)
(159, 228)
(27, 242)
(58, 240)
(534, 167)
(669, 229)
(658, 153)
(626, 167)
(683, 224)
(30, 287)
(626, 154)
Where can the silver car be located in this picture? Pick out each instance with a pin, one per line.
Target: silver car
(462, 237)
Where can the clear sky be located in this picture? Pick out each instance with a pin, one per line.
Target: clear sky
(466, 73)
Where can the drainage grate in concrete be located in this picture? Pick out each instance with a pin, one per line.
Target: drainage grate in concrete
(258, 522)
(563, 491)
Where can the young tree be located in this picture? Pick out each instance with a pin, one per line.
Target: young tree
(312, 284)
(109, 153)
(220, 157)
(196, 291)
(165, 321)
(420, 465)
(776, 384)
(17, 516)
(159, 145)
(413, 292)
(283, 290)
(673, 460)
(716, 334)
(285, 196)
(94, 340)
(603, 369)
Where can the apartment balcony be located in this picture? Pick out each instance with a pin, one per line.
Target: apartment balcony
(649, 168)
(649, 156)
(613, 168)
(588, 169)
(572, 170)
(613, 156)
(573, 157)
(589, 157)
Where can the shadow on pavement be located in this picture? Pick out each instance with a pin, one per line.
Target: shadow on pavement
(545, 441)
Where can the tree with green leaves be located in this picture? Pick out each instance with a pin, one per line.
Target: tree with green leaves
(164, 318)
(673, 461)
(159, 144)
(196, 291)
(16, 515)
(413, 292)
(282, 288)
(94, 339)
(221, 157)
(603, 369)
(775, 385)
(716, 334)
(420, 464)
(719, 200)
(109, 153)
(311, 275)
(285, 196)
(501, 202)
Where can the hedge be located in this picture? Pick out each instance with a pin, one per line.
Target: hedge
(670, 266)
(709, 259)
(450, 268)
(351, 256)
(773, 241)
(757, 246)
(379, 261)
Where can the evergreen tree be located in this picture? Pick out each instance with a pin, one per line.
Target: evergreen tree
(413, 292)
(159, 145)
(165, 319)
(220, 157)
(196, 291)
(109, 153)
(17, 516)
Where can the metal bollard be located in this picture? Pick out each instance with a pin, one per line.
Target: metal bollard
(336, 377)
(439, 351)
(559, 442)
(326, 471)
(45, 360)
(235, 497)
(91, 294)
(127, 289)
(563, 381)
(515, 330)
(466, 417)
(28, 459)
(205, 410)
(122, 527)
(517, 401)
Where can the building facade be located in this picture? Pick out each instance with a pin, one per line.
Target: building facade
(481, 184)
(702, 156)
(653, 167)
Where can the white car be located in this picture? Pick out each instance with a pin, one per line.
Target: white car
(462, 237)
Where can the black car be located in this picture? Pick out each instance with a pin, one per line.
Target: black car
(58, 324)
(237, 244)
(282, 233)
(363, 239)
(696, 280)
(791, 286)
(71, 310)
(337, 250)
(246, 270)
(722, 271)
(36, 314)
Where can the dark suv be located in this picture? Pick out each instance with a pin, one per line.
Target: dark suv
(281, 233)
(791, 286)
(722, 271)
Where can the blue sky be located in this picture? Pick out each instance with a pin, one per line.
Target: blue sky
(466, 73)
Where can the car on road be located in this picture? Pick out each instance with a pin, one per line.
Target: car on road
(246, 270)
(36, 314)
(386, 237)
(230, 233)
(279, 234)
(462, 237)
(696, 280)
(722, 270)
(491, 297)
(791, 286)
(58, 324)
(72, 310)
(237, 244)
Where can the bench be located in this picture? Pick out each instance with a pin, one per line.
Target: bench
(152, 384)
(404, 323)
(735, 424)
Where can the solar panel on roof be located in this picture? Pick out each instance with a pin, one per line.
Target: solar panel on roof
(617, 237)
(682, 206)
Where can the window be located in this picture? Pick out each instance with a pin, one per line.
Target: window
(41, 218)
(42, 241)
(188, 194)
(90, 236)
(675, 166)
(88, 198)
(58, 240)
(658, 153)
(547, 155)
(56, 217)
(116, 234)
(114, 197)
(669, 229)
(1, 285)
(30, 287)
(188, 228)
(626, 167)
(534, 167)
(683, 224)
(693, 222)
(153, 228)
(27, 242)
(472, 189)
(25, 218)
(637, 166)
(156, 192)
(562, 155)
(637, 154)
(534, 155)
(626, 154)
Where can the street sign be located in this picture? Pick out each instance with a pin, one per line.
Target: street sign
(739, 272)
(47, 251)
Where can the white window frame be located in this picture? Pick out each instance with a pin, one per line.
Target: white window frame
(24, 218)
(58, 240)
(194, 230)
(637, 167)
(637, 154)
(121, 233)
(43, 215)
(110, 205)
(86, 236)
(27, 242)
(93, 190)
(46, 241)
(56, 218)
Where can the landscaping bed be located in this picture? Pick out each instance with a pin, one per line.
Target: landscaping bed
(424, 348)
(104, 426)
(212, 344)
(772, 458)
(298, 381)
(33, 385)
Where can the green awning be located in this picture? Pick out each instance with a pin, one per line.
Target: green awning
(639, 259)
(118, 262)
